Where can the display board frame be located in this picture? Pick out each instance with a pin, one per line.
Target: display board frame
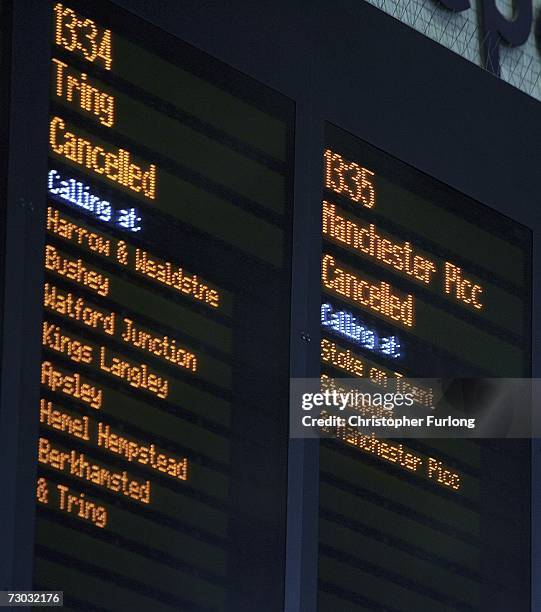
(380, 81)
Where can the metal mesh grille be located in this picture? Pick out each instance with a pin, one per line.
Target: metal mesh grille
(459, 32)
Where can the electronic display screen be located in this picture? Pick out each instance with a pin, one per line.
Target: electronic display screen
(166, 303)
(419, 280)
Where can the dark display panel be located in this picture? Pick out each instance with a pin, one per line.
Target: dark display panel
(163, 414)
(421, 281)
(5, 57)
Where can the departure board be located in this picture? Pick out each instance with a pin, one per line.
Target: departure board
(166, 303)
(419, 281)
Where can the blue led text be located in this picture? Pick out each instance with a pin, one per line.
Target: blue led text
(345, 324)
(78, 194)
